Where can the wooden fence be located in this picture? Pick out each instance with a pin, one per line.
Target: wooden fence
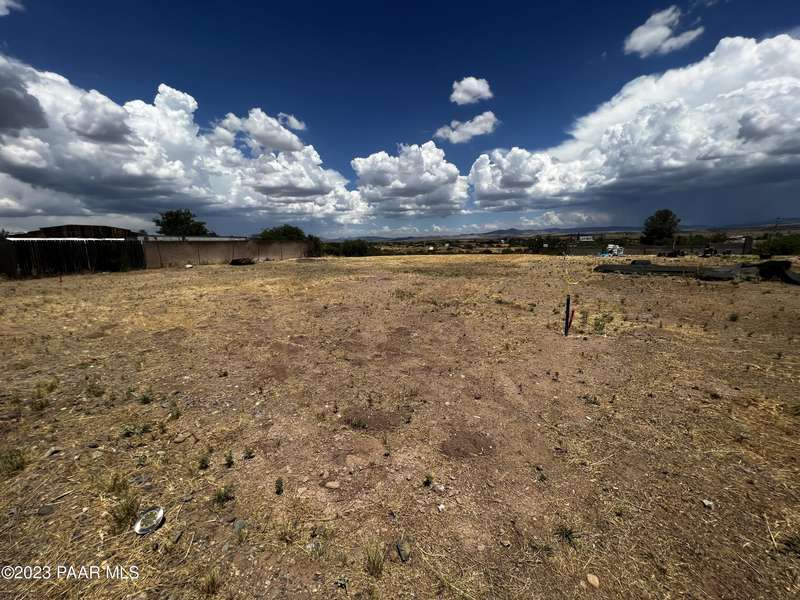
(36, 258)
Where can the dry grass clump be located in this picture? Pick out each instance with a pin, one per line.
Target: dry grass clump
(223, 495)
(12, 461)
(124, 512)
(210, 583)
(374, 557)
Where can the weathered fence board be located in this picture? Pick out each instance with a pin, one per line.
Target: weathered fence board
(35, 258)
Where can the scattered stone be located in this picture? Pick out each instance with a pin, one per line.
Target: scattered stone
(593, 580)
(176, 536)
(230, 518)
(440, 508)
(438, 488)
(180, 438)
(708, 504)
(239, 525)
(187, 498)
(92, 445)
(505, 543)
(46, 509)
(332, 485)
(52, 451)
(403, 550)
(96, 454)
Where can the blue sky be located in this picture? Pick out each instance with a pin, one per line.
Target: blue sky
(367, 77)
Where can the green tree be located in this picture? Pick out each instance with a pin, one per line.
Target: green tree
(181, 222)
(284, 233)
(660, 226)
(779, 245)
(354, 248)
(314, 245)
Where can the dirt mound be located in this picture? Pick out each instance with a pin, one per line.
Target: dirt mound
(466, 444)
(371, 419)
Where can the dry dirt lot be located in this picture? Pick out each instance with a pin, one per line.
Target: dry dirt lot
(299, 421)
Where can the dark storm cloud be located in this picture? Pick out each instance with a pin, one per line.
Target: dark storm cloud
(18, 108)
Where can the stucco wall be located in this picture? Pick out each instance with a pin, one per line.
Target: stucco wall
(176, 254)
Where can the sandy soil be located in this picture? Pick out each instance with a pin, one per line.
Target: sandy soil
(429, 403)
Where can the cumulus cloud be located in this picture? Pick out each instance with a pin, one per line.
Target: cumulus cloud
(659, 34)
(470, 90)
(71, 152)
(708, 129)
(18, 108)
(458, 132)
(563, 219)
(418, 181)
(98, 118)
(7, 5)
(291, 122)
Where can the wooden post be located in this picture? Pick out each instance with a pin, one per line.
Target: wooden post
(566, 316)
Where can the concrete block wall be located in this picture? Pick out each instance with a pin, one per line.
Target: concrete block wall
(159, 254)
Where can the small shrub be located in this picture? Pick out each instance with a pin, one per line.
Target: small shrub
(11, 462)
(129, 429)
(94, 389)
(241, 535)
(375, 555)
(223, 495)
(116, 485)
(428, 481)
(567, 535)
(43, 388)
(600, 323)
(38, 404)
(124, 513)
(248, 453)
(321, 537)
(210, 583)
(229, 459)
(355, 419)
(289, 531)
(203, 462)
(733, 317)
(145, 398)
(174, 411)
(279, 486)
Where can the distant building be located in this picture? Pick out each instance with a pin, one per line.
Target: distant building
(79, 232)
(585, 238)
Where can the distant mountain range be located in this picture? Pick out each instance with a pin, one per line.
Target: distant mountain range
(515, 233)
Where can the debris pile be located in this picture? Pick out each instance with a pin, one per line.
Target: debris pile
(774, 270)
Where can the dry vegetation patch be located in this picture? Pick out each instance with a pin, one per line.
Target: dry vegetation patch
(402, 427)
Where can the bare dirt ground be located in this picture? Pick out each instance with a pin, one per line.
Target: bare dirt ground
(300, 421)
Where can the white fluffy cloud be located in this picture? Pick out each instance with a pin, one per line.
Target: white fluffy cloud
(458, 132)
(291, 122)
(470, 90)
(7, 5)
(730, 120)
(659, 34)
(418, 181)
(66, 151)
